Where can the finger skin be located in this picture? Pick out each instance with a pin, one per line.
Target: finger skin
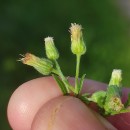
(29, 97)
(67, 113)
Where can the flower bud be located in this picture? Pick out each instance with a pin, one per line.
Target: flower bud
(77, 43)
(42, 65)
(51, 50)
(116, 77)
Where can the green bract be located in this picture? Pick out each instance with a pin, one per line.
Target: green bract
(109, 101)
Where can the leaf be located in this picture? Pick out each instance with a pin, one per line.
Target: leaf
(86, 94)
(99, 98)
(81, 83)
(71, 88)
(84, 99)
(60, 84)
(127, 102)
(122, 111)
(113, 90)
(125, 111)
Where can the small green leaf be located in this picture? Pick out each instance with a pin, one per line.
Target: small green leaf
(122, 111)
(84, 99)
(60, 83)
(125, 110)
(81, 83)
(128, 101)
(113, 90)
(86, 94)
(99, 98)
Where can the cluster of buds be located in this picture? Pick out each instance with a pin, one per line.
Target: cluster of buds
(113, 102)
(43, 65)
(108, 101)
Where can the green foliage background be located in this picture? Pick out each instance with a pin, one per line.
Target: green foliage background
(24, 24)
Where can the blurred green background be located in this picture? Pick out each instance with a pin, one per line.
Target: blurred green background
(24, 25)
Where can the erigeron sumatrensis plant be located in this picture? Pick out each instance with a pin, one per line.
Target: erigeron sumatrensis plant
(109, 101)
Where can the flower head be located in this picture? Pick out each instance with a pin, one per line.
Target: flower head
(42, 65)
(51, 50)
(116, 77)
(114, 105)
(78, 45)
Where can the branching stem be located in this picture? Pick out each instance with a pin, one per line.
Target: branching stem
(68, 86)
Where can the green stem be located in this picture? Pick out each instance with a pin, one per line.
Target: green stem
(77, 73)
(55, 71)
(63, 77)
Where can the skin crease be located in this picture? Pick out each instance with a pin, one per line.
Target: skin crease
(30, 101)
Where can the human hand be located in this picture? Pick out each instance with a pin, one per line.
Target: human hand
(39, 105)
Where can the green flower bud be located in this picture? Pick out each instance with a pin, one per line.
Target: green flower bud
(113, 103)
(42, 65)
(116, 77)
(77, 43)
(51, 50)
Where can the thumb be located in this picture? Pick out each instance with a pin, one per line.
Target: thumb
(68, 113)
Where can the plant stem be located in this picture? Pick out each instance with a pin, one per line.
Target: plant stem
(77, 73)
(55, 71)
(68, 86)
